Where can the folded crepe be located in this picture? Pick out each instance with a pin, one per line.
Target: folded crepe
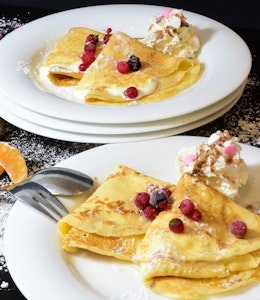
(159, 77)
(206, 258)
(109, 222)
(61, 66)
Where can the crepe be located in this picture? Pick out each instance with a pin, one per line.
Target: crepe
(187, 289)
(206, 258)
(109, 222)
(159, 77)
(60, 68)
(122, 248)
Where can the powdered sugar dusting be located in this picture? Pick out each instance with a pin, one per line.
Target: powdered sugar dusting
(8, 25)
(39, 153)
(24, 66)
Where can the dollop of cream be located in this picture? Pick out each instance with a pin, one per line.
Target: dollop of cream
(170, 33)
(217, 162)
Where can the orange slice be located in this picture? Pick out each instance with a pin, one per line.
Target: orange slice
(1, 170)
(12, 161)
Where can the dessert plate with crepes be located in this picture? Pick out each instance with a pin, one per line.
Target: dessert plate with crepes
(166, 90)
(85, 273)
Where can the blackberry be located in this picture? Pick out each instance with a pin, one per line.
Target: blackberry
(134, 63)
(158, 196)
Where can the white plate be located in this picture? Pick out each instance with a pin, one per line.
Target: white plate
(130, 128)
(12, 118)
(224, 54)
(32, 246)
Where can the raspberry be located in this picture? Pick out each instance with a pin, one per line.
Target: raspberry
(150, 212)
(131, 92)
(142, 200)
(134, 63)
(176, 225)
(157, 196)
(238, 228)
(187, 207)
(123, 67)
(196, 215)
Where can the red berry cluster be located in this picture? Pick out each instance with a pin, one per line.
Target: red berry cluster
(187, 207)
(150, 204)
(88, 57)
(133, 64)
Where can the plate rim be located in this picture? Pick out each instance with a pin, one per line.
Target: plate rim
(98, 151)
(92, 138)
(132, 128)
(133, 113)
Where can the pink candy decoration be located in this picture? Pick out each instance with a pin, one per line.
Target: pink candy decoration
(166, 12)
(190, 158)
(230, 150)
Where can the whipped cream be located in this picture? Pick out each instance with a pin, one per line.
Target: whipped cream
(170, 33)
(217, 162)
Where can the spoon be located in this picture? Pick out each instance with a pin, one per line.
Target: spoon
(60, 181)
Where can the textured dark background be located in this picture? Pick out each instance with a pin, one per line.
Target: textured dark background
(233, 13)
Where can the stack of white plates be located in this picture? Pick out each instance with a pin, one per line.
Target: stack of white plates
(224, 56)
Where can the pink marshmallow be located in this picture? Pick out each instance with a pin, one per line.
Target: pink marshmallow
(230, 150)
(190, 158)
(166, 12)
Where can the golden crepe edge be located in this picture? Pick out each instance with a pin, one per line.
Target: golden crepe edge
(181, 287)
(61, 66)
(108, 222)
(160, 76)
(59, 73)
(159, 267)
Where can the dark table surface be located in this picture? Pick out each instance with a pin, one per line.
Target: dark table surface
(243, 121)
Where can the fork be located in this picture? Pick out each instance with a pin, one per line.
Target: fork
(38, 197)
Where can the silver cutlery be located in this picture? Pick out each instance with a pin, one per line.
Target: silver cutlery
(60, 181)
(40, 189)
(38, 197)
